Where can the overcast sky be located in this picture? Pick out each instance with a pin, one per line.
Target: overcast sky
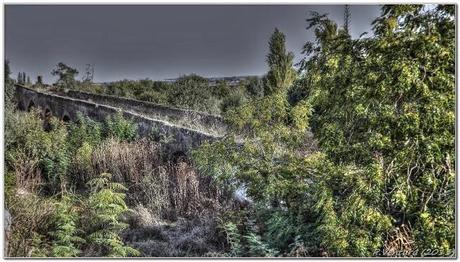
(159, 41)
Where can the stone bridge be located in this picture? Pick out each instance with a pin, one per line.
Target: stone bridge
(183, 129)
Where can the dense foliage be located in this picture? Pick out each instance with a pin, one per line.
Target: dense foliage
(188, 91)
(95, 189)
(396, 111)
(39, 163)
(106, 204)
(382, 181)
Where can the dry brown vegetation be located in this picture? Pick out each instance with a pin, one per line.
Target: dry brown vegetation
(174, 208)
(32, 219)
(168, 189)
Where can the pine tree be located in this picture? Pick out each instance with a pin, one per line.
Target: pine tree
(19, 78)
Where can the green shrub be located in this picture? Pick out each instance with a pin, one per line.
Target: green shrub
(84, 130)
(27, 140)
(233, 239)
(232, 101)
(118, 127)
(193, 91)
(66, 241)
(106, 204)
(153, 96)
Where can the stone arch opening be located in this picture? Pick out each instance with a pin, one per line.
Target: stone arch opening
(66, 118)
(31, 105)
(179, 156)
(47, 114)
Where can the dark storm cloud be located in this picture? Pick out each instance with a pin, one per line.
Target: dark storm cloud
(158, 41)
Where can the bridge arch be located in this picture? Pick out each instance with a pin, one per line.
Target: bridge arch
(178, 156)
(30, 105)
(65, 117)
(47, 113)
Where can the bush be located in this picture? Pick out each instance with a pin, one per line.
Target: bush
(153, 97)
(32, 219)
(106, 204)
(66, 241)
(118, 127)
(33, 152)
(84, 131)
(166, 189)
(193, 92)
(232, 101)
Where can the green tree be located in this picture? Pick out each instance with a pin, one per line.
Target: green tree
(281, 74)
(193, 91)
(375, 106)
(66, 75)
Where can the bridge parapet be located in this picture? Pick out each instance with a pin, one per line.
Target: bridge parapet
(182, 117)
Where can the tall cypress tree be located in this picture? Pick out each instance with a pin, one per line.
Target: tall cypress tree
(281, 74)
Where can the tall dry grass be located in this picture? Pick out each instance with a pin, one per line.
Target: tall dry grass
(32, 219)
(168, 189)
(27, 173)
